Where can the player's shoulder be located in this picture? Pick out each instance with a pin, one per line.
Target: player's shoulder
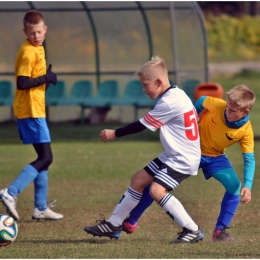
(175, 99)
(248, 126)
(27, 46)
(212, 103)
(215, 101)
(175, 92)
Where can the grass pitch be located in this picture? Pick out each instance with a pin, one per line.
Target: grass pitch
(88, 178)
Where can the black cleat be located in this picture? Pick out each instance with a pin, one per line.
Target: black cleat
(189, 236)
(104, 229)
(221, 235)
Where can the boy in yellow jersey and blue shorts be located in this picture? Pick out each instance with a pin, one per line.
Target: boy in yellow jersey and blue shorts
(224, 124)
(32, 82)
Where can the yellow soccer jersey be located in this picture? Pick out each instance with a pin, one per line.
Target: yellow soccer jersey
(216, 136)
(30, 62)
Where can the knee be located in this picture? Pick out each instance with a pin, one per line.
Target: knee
(134, 180)
(157, 192)
(47, 160)
(152, 191)
(234, 187)
(229, 179)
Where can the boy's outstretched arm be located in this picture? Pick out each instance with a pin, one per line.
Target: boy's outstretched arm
(107, 135)
(24, 82)
(249, 170)
(133, 128)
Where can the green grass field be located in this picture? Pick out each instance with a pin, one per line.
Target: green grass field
(88, 178)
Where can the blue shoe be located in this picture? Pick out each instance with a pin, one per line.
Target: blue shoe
(104, 229)
(189, 236)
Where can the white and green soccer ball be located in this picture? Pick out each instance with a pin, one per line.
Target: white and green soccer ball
(8, 230)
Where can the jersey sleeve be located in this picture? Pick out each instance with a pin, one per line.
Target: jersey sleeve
(199, 104)
(157, 117)
(249, 169)
(247, 142)
(26, 64)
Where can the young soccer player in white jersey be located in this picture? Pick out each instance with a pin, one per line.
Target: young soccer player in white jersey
(224, 124)
(29, 108)
(176, 118)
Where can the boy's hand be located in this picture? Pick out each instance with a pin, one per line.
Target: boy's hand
(51, 76)
(107, 135)
(246, 193)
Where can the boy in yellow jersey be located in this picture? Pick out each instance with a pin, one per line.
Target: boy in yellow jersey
(32, 82)
(224, 124)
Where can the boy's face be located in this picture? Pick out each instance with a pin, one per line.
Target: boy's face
(36, 33)
(152, 88)
(233, 113)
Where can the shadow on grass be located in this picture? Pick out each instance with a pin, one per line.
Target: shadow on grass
(66, 241)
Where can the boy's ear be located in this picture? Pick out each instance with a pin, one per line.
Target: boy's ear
(247, 111)
(160, 81)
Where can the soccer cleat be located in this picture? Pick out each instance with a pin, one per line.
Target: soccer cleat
(221, 235)
(104, 229)
(127, 227)
(10, 203)
(189, 236)
(47, 214)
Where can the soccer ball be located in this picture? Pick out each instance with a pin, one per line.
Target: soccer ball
(8, 230)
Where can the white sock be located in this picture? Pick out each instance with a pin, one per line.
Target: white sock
(176, 211)
(129, 201)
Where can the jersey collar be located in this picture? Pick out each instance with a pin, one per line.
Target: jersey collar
(169, 89)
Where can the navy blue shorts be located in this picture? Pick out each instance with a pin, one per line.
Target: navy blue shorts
(210, 165)
(164, 175)
(33, 130)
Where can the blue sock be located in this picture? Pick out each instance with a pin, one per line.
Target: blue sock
(144, 203)
(27, 175)
(41, 190)
(228, 209)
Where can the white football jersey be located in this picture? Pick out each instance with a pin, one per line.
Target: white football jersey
(176, 117)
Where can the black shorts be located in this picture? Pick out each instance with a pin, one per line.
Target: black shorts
(164, 175)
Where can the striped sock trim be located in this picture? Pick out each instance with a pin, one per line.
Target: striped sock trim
(165, 199)
(134, 194)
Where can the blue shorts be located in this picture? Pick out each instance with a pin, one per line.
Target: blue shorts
(210, 165)
(33, 130)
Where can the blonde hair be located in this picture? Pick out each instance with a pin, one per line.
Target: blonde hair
(32, 17)
(154, 69)
(241, 96)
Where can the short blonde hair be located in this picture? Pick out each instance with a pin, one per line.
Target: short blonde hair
(241, 96)
(154, 69)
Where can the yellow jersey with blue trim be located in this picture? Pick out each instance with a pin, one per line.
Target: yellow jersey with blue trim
(216, 136)
(30, 62)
